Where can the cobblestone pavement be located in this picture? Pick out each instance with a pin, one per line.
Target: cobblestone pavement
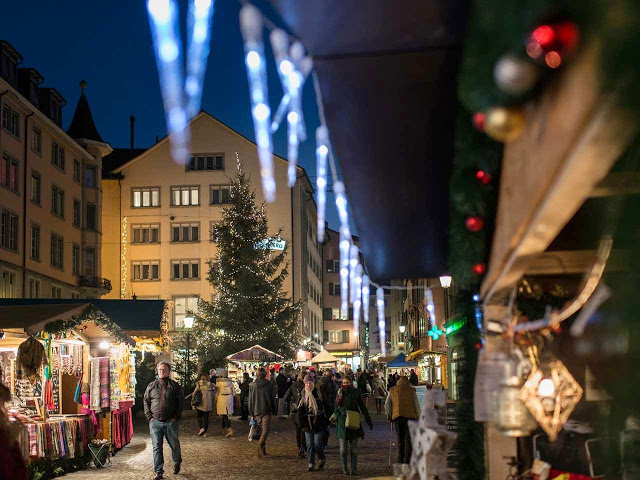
(235, 457)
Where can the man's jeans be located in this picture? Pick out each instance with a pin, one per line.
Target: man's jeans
(315, 446)
(158, 430)
(281, 407)
(263, 421)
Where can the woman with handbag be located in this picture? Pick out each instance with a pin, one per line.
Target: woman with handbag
(312, 421)
(224, 401)
(202, 400)
(350, 408)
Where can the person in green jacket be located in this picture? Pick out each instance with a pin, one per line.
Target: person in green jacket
(349, 399)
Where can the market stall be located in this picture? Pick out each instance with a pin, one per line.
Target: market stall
(400, 365)
(48, 359)
(252, 358)
(432, 367)
(325, 360)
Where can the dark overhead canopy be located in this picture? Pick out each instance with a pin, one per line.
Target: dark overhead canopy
(387, 73)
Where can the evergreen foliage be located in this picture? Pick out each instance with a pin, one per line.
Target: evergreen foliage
(249, 306)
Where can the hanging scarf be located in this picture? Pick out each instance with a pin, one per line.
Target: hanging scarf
(310, 401)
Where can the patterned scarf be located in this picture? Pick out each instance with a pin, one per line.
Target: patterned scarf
(310, 401)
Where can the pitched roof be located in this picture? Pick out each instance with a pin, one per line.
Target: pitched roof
(130, 315)
(82, 124)
(117, 158)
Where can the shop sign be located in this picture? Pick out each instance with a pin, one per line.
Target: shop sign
(275, 244)
(303, 355)
(455, 326)
(421, 391)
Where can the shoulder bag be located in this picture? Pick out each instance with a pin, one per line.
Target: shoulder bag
(353, 420)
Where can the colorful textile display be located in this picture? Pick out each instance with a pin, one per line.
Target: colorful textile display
(122, 428)
(104, 382)
(123, 379)
(48, 395)
(94, 388)
(114, 390)
(67, 437)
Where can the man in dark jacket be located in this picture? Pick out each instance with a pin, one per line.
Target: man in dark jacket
(163, 404)
(244, 395)
(282, 385)
(413, 378)
(262, 405)
(402, 406)
(327, 390)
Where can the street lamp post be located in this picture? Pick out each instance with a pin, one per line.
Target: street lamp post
(403, 329)
(445, 282)
(188, 324)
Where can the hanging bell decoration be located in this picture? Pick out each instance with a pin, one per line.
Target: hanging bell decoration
(504, 124)
(551, 394)
(512, 418)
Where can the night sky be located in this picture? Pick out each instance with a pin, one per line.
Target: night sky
(109, 45)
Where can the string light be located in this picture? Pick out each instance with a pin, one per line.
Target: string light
(357, 301)
(251, 27)
(365, 297)
(123, 262)
(345, 245)
(322, 150)
(353, 262)
(382, 326)
(428, 295)
(199, 23)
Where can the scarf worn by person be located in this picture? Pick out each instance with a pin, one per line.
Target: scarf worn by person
(310, 401)
(340, 392)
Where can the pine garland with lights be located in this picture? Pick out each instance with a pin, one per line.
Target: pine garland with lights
(249, 306)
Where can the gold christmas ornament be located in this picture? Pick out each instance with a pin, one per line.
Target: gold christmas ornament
(515, 75)
(551, 393)
(504, 124)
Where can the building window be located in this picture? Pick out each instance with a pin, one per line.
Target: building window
(57, 201)
(334, 289)
(185, 269)
(34, 253)
(90, 262)
(145, 271)
(182, 305)
(75, 259)
(92, 175)
(185, 196)
(146, 197)
(9, 230)
(76, 171)
(185, 232)
(10, 172)
(57, 156)
(36, 187)
(333, 266)
(206, 161)
(146, 233)
(92, 216)
(11, 120)
(219, 194)
(338, 336)
(34, 288)
(56, 292)
(75, 296)
(36, 140)
(213, 233)
(57, 251)
(76, 213)
(9, 286)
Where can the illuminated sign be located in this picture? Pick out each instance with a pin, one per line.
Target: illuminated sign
(455, 326)
(435, 332)
(275, 244)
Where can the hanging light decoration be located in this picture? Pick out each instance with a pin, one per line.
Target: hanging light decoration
(353, 262)
(345, 244)
(251, 27)
(365, 297)
(551, 393)
(428, 296)
(357, 301)
(322, 151)
(199, 23)
(382, 326)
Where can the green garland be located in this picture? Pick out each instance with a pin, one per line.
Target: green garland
(44, 469)
(90, 314)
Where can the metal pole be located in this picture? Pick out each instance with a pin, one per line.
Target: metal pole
(188, 352)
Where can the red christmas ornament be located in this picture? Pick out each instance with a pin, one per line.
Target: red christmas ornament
(550, 44)
(479, 268)
(483, 177)
(474, 223)
(478, 346)
(478, 120)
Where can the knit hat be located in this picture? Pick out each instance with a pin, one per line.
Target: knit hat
(308, 378)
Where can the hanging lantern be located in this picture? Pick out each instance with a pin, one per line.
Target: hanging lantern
(551, 393)
(504, 124)
(512, 418)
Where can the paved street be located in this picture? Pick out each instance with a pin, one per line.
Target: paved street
(235, 458)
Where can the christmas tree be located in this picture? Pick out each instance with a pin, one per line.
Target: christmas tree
(249, 306)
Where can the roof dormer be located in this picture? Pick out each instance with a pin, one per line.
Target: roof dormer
(9, 61)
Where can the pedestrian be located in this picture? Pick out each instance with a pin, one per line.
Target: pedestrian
(294, 395)
(203, 402)
(349, 400)
(244, 396)
(401, 406)
(312, 420)
(413, 378)
(12, 465)
(328, 392)
(338, 380)
(163, 404)
(282, 385)
(379, 392)
(391, 382)
(262, 405)
(364, 386)
(225, 395)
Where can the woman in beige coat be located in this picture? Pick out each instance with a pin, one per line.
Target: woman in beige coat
(379, 391)
(206, 406)
(225, 395)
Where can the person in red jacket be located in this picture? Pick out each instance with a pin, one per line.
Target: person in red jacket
(12, 465)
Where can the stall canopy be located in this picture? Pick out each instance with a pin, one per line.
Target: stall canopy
(255, 353)
(388, 70)
(324, 357)
(401, 362)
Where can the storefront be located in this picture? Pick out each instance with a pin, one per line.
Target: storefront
(432, 368)
(352, 359)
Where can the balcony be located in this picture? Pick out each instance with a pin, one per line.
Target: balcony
(94, 285)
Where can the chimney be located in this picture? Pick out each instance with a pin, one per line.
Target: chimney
(132, 119)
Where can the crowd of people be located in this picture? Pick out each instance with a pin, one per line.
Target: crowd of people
(314, 401)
